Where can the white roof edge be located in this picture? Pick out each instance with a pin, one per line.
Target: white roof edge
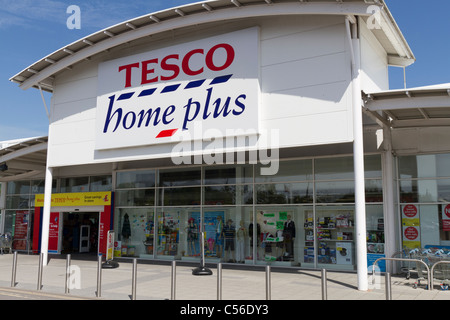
(35, 79)
(9, 143)
(444, 87)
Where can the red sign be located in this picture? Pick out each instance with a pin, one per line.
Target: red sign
(411, 233)
(447, 211)
(21, 230)
(410, 211)
(53, 236)
(171, 64)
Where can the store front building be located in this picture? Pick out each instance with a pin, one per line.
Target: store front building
(205, 127)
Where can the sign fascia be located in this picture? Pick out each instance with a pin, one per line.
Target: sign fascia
(76, 199)
(156, 97)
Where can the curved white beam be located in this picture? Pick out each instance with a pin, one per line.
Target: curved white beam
(243, 12)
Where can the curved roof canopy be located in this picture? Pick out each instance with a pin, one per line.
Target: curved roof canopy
(22, 159)
(410, 108)
(41, 73)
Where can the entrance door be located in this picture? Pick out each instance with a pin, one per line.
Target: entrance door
(80, 232)
(85, 232)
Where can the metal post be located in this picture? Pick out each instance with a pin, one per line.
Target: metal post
(219, 281)
(67, 287)
(99, 276)
(388, 286)
(173, 280)
(134, 280)
(14, 270)
(40, 267)
(268, 285)
(324, 285)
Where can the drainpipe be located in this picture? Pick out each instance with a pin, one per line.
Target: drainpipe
(358, 156)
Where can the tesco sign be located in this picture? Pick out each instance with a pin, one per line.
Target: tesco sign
(150, 97)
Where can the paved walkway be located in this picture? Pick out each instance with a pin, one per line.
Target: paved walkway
(154, 282)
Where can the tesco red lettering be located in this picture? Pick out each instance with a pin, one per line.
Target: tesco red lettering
(170, 63)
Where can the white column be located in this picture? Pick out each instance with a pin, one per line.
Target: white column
(358, 155)
(389, 205)
(46, 213)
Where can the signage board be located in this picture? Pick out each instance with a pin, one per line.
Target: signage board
(102, 198)
(156, 97)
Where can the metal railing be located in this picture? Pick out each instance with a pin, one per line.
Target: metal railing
(432, 271)
(134, 277)
(429, 277)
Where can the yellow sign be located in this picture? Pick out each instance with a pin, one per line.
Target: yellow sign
(76, 199)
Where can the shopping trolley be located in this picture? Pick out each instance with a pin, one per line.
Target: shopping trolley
(5, 243)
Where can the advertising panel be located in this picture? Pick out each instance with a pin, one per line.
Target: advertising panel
(158, 96)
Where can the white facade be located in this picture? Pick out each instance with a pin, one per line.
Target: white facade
(299, 68)
(306, 82)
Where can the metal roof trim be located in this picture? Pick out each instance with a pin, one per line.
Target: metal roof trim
(189, 14)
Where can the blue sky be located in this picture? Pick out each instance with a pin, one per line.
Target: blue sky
(31, 29)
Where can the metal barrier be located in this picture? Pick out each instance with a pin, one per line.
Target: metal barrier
(99, 276)
(432, 271)
(388, 286)
(14, 270)
(324, 285)
(40, 269)
(219, 281)
(408, 260)
(68, 279)
(67, 286)
(134, 280)
(268, 283)
(173, 280)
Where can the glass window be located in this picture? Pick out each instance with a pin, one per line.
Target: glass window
(220, 175)
(179, 196)
(79, 184)
(38, 186)
(135, 179)
(335, 236)
(228, 195)
(335, 192)
(374, 190)
(278, 234)
(168, 236)
(100, 183)
(334, 168)
(138, 197)
(284, 193)
(18, 187)
(135, 231)
(179, 177)
(424, 166)
(228, 233)
(18, 202)
(372, 166)
(297, 170)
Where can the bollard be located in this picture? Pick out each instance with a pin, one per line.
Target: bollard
(67, 288)
(219, 281)
(99, 276)
(268, 283)
(388, 286)
(134, 280)
(14, 270)
(40, 267)
(173, 280)
(324, 285)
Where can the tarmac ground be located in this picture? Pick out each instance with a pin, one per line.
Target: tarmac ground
(154, 282)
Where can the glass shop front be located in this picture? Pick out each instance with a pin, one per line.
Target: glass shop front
(302, 216)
